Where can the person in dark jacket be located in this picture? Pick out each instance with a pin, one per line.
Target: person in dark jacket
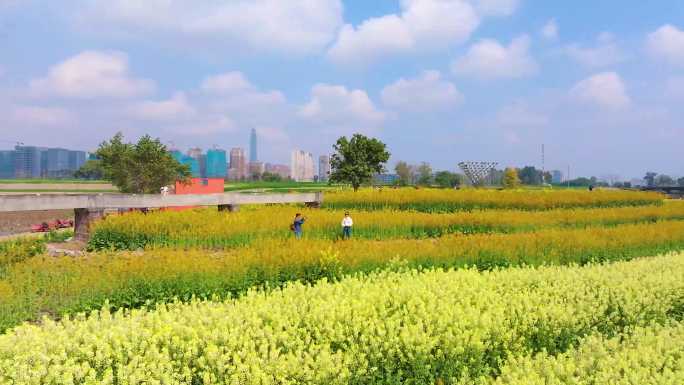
(297, 225)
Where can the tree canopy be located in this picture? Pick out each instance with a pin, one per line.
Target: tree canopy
(356, 160)
(404, 172)
(510, 179)
(91, 169)
(141, 168)
(448, 179)
(424, 174)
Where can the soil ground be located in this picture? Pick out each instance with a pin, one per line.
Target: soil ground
(21, 221)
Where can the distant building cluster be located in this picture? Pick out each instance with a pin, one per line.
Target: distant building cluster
(302, 166)
(40, 162)
(235, 164)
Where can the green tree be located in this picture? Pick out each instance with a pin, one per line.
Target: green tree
(91, 169)
(356, 160)
(650, 178)
(530, 176)
(448, 179)
(510, 179)
(680, 182)
(424, 174)
(141, 168)
(663, 180)
(271, 177)
(405, 173)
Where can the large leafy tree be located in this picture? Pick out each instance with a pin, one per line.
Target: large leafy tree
(510, 179)
(405, 173)
(91, 169)
(424, 174)
(141, 168)
(356, 160)
(448, 179)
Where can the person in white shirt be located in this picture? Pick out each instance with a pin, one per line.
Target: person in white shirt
(347, 224)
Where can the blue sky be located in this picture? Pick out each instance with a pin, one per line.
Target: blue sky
(600, 83)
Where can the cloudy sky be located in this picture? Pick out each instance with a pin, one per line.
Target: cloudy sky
(600, 83)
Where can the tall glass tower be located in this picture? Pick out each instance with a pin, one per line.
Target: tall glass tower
(253, 146)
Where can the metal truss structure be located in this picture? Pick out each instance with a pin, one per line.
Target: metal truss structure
(477, 172)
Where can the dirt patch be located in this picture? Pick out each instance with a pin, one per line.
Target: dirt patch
(21, 221)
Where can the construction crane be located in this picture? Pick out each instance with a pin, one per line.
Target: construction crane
(15, 142)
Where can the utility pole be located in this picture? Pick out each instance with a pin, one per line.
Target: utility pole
(568, 177)
(543, 166)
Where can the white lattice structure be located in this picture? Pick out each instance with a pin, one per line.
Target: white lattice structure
(477, 172)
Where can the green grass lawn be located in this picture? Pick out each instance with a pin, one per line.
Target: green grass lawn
(285, 185)
(52, 181)
(38, 190)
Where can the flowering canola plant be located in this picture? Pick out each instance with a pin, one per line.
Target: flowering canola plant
(648, 355)
(404, 327)
(440, 200)
(210, 228)
(65, 285)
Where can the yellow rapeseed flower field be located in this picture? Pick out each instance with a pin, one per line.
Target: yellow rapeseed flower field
(405, 327)
(648, 356)
(67, 284)
(210, 228)
(436, 200)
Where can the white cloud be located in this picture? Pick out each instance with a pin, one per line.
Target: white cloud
(336, 105)
(227, 82)
(234, 90)
(667, 42)
(488, 59)
(91, 74)
(519, 114)
(550, 30)
(425, 93)
(175, 108)
(422, 25)
(605, 90)
(675, 88)
(497, 7)
(40, 116)
(605, 53)
(292, 26)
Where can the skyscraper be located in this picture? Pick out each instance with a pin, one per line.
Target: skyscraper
(253, 146)
(323, 168)
(7, 164)
(216, 163)
(302, 166)
(28, 161)
(238, 165)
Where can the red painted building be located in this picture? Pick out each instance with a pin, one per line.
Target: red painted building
(198, 186)
(201, 186)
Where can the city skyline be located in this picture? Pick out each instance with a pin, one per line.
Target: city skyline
(438, 81)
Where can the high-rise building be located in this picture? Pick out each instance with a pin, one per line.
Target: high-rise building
(76, 159)
(216, 163)
(556, 176)
(6, 164)
(323, 168)
(238, 164)
(253, 146)
(28, 161)
(256, 169)
(57, 165)
(302, 166)
(37, 162)
(191, 162)
(278, 169)
(200, 158)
